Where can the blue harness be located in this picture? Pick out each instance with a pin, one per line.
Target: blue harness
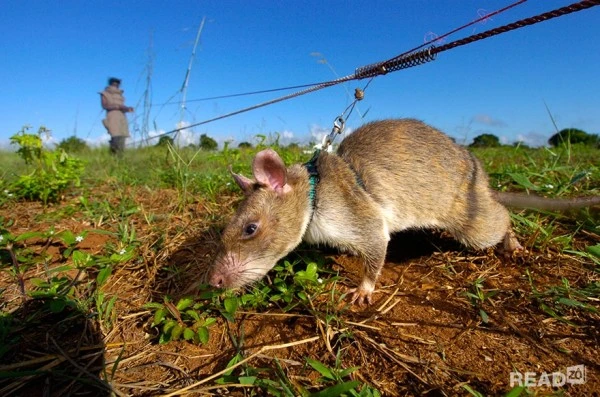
(313, 177)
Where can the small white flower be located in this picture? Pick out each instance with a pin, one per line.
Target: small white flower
(79, 239)
(549, 186)
(1, 237)
(122, 252)
(320, 280)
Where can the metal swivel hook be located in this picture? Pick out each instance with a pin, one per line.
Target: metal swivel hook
(338, 127)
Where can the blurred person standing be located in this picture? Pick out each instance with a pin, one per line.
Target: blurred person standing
(115, 122)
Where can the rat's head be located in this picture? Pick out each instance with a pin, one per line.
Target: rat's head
(268, 224)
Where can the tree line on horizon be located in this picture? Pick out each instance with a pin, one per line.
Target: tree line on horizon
(565, 136)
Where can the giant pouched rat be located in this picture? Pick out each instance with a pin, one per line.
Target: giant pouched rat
(387, 176)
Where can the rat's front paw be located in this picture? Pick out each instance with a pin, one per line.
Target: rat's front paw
(362, 294)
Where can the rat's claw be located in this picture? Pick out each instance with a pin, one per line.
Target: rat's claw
(510, 243)
(362, 294)
(509, 246)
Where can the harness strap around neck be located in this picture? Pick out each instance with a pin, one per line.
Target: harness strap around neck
(313, 179)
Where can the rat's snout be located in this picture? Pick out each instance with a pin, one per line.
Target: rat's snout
(217, 280)
(223, 271)
(231, 271)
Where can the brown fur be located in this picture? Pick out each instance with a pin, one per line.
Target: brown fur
(388, 176)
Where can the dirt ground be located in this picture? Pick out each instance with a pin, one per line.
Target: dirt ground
(422, 336)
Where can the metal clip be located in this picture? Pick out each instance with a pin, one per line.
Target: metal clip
(338, 128)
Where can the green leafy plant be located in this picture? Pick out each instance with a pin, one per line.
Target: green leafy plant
(6, 195)
(57, 286)
(98, 211)
(592, 253)
(515, 391)
(187, 320)
(105, 308)
(478, 295)
(294, 283)
(557, 300)
(52, 171)
(337, 383)
(180, 174)
(334, 382)
(472, 391)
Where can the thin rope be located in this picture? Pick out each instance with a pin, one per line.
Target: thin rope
(263, 104)
(239, 94)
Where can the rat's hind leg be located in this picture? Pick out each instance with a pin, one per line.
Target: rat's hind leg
(485, 223)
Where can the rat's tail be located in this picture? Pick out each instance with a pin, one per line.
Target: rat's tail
(522, 200)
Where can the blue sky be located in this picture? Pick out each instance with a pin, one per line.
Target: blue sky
(57, 56)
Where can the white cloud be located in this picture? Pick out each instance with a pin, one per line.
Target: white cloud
(100, 140)
(533, 139)
(184, 136)
(488, 120)
(222, 140)
(287, 135)
(504, 140)
(48, 140)
(153, 137)
(5, 145)
(317, 133)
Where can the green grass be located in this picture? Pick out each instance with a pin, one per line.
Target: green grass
(299, 284)
(554, 172)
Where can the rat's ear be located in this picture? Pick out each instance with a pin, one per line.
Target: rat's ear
(269, 170)
(246, 184)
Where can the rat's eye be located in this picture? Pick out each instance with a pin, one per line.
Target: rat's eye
(250, 229)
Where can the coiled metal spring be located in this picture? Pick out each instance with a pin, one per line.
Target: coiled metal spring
(401, 62)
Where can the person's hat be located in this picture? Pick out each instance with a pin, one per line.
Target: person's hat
(114, 80)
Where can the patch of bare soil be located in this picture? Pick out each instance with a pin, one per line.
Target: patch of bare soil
(422, 336)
